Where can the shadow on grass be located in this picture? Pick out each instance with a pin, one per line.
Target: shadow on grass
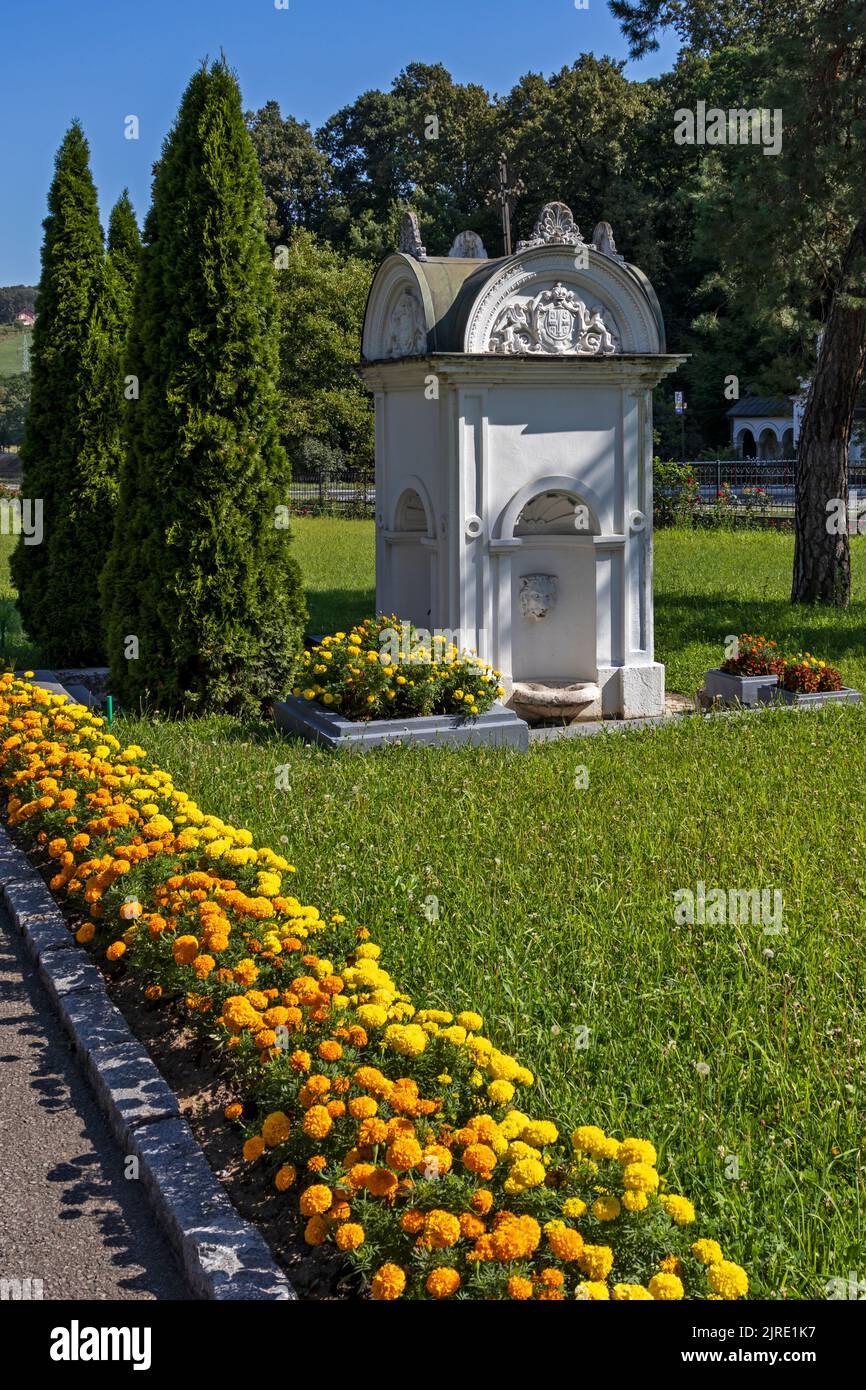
(681, 620)
(333, 610)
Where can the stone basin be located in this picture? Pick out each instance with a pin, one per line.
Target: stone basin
(536, 701)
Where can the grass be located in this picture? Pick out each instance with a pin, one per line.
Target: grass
(11, 349)
(555, 903)
(707, 585)
(556, 914)
(556, 908)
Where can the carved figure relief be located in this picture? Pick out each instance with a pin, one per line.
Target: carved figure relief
(407, 331)
(556, 321)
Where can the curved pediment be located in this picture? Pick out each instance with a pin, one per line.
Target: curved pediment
(558, 295)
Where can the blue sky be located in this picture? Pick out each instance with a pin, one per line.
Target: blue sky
(102, 60)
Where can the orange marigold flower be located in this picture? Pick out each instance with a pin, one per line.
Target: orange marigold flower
(254, 1148)
(233, 1111)
(519, 1288)
(285, 1177)
(442, 1282)
(316, 1200)
(185, 949)
(388, 1283)
(317, 1122)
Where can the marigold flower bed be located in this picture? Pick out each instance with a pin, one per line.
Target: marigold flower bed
(396, 1129)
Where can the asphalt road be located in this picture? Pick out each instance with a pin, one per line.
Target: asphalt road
(68, 1216)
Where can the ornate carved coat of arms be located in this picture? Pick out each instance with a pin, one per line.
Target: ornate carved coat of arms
(555, 321)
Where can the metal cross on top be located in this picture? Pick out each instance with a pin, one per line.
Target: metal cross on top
(507, 199)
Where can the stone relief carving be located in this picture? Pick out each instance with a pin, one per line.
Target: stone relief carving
(468, 246)
(537, 595)
(556, 321)
(410, 237)
(555, 227)
(407, 330)
(602, 240)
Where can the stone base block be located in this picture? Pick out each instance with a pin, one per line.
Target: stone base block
(632, 692)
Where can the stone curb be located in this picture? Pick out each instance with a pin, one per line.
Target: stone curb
(223, 1256)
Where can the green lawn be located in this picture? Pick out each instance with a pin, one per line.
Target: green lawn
(707, 585)
(556, 909)
(10, 349)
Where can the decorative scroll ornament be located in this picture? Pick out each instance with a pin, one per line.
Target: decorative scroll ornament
(410, 237)
(555, 227)
(556, 322)
(407, 331)
(602, 240)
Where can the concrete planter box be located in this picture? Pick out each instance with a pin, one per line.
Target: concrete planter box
(316, 724)
(845, 696)
(742, 690)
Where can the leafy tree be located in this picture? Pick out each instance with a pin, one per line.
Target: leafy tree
(14, 404)
(294, 172)
(322, 296)
(71, 449)
(201, 593)
(14, 299)
(805, 205)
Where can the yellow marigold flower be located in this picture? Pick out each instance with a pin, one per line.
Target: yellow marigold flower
(254, 1148)
(636, 1151)
(316, 1200)
(596, 1261)
(442, 1282)
(472, 1022)
(606, 1208)
(276, 1129)
(679, 1209)
(709, 1252)
(640, 1177)
(526, 1173)
(589, 1139)
(317, 1122)
(349, 1236)
(540, 1132)
(630, 1293)
(594, 1290)
(286, 1177)
(441, 1229)
(408, 1039)
(728, 1279)
(666, 1287)
(635, 1201)
(573, 1207)
(500, 1092)
(388, 1282)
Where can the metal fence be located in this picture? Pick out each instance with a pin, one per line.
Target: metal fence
(350, 494)
(707, 492)
(742, 492)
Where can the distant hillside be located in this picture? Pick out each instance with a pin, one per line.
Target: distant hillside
(15, 298)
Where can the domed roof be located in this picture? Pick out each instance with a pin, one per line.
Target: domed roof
(557, 295)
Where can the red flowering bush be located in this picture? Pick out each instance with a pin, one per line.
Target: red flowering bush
(756, 656)
(807, 675)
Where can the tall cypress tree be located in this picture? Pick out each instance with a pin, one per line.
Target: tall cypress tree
(71, 448)
(201, 594)
(124, 252)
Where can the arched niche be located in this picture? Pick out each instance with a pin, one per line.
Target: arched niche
(548, 585)
(410, 543)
